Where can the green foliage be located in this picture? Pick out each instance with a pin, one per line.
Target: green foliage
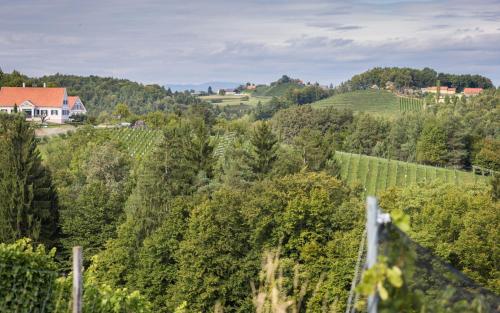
(28, 206)
(91, 172)
(374, 279)
(458, 223)
(212, 257)
(290, 122)
(489, 156)
(264, 145)
(431, 147)
(27, 277)
(99, 298)
(306, 94)
(121, 111)
(316, 151)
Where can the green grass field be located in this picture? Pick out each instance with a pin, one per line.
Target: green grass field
(372, 101)
(378, 174)
(232, 100)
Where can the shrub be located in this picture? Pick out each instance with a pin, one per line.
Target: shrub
(27, 277)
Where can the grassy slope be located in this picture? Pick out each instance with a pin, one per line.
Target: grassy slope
(378, 174)
(373, 101)
(274, 91)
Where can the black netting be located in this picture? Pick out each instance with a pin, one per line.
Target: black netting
(431, 285)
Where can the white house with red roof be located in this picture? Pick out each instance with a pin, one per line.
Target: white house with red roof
(37, 102)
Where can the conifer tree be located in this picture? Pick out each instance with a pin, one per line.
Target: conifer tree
(263, 154)
(28, 199)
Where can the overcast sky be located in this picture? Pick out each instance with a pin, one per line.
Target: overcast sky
(166, 41)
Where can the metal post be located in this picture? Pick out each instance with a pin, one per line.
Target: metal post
(77, 280)
(372, 244)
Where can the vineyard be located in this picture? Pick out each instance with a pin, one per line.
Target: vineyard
(410, 104)
(136, 141)
(378, 174)
(372, 101)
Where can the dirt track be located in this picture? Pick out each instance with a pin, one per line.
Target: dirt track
(51, 131)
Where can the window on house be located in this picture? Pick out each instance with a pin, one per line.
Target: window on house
(65, 102)
(37, 112)
(65, 112)
(44, 112)
(54, 112)
(3, 110)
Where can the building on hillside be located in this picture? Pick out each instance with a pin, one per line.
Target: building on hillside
(40, 103)
(250, 87)
(443, 90)
(472, 91)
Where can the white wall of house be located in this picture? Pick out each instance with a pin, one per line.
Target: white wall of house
(33, 113)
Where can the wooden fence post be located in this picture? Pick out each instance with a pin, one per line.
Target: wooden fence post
(77, 280)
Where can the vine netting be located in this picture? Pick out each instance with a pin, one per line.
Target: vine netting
(430, 284)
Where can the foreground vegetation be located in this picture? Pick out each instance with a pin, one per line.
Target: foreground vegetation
(222, 214)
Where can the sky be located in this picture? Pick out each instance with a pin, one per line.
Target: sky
(194, 41)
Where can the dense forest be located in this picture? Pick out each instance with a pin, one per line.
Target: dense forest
(104, 93)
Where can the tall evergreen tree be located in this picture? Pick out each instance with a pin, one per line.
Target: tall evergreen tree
(28, 202)
(264, 144)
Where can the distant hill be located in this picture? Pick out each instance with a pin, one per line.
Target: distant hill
(374, 101)
(413, 78)
(203, 87)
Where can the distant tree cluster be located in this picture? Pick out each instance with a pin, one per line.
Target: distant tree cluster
(412, 78)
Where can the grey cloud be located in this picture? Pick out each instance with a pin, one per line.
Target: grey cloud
(195, 41)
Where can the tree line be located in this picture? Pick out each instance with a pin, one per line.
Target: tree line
(413, 78)
(102, 94)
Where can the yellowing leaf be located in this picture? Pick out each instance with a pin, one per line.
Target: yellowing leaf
(394, 276)
(382, 292)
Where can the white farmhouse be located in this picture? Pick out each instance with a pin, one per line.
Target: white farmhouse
(37, 102)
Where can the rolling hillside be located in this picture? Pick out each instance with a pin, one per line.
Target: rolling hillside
(374, 101)
(230, 100)
(378, 174)
(277, 90)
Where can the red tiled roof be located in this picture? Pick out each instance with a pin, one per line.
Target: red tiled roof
(43, 97)
(72, 101)
(472, 90)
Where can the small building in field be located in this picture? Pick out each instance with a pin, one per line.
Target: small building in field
(472, 91)
(40, 103)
